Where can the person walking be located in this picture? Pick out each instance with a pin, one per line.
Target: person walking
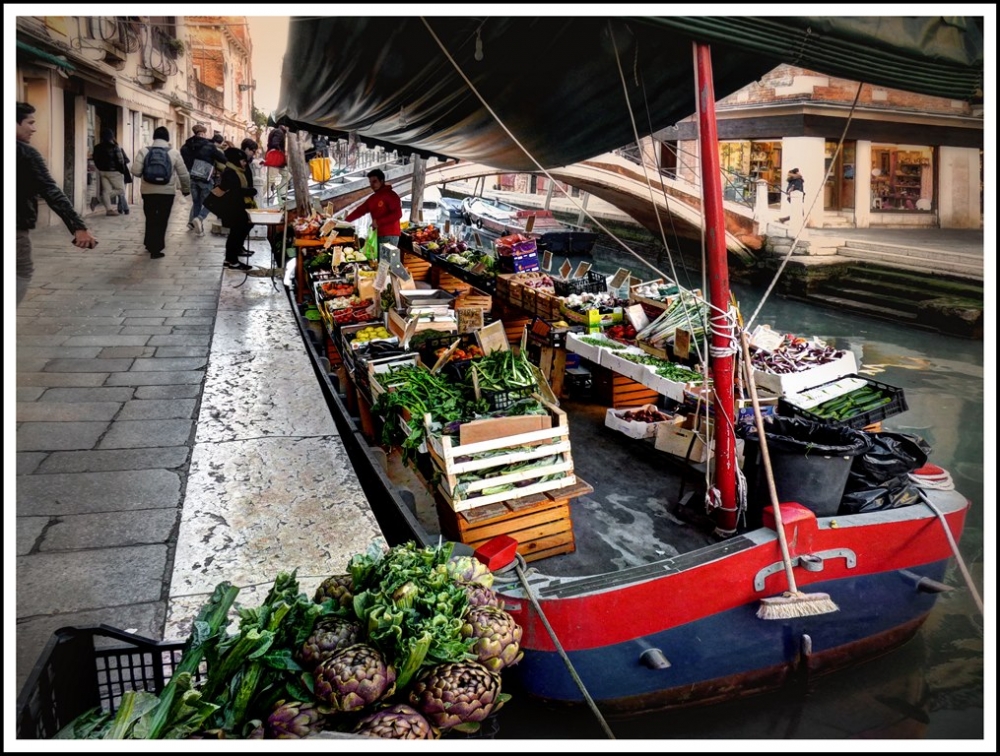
(239, 195)
(34, 181)
(202, 158)
(276, 160)
(385, 208)
(162, 170)
(110, 164)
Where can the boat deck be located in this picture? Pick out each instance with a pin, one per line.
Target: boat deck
(632, 517)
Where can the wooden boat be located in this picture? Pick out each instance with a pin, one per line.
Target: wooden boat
(653, 610)
(496, 219)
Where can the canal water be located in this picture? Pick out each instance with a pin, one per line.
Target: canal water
(932, 687)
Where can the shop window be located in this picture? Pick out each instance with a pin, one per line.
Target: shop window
(902, 178)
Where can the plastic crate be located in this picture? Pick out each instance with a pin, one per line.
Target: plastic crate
(592, 283)
(82, 668)
(896, 406)
(501, 400)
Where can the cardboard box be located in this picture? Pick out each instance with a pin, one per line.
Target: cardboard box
(588, 351)
(676, 439)
(793, 383)
(631, 428)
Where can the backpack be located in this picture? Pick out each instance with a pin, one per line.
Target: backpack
(158, 168)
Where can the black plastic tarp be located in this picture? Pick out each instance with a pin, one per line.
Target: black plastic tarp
(556, 90)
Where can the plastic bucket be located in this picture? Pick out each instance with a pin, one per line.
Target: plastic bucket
(810, 461)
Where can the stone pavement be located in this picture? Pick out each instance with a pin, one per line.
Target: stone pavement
(170, 435)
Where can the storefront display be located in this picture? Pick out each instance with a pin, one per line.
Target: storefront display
(902, 178)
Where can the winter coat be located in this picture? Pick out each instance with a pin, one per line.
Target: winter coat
(385, 208)
(108, 157)
(180, 178)
(34, 181)
(198, 147)
(239, 196)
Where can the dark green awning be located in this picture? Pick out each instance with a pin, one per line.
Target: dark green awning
(508, 92)
(42, 55)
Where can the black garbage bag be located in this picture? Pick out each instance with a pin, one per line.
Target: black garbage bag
(795, 435)
(879, 479)
(891, 455)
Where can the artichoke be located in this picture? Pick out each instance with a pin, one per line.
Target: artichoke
(339, 588)
(401, 722)
(328, 636)
(354, 677)
(469, 570)
(497, 637)
(457, 694)
(480, 595)
(295, 719)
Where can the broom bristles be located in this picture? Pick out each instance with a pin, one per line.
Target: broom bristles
(791, 605)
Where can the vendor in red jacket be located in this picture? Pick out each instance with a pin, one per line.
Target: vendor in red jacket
(385, 208)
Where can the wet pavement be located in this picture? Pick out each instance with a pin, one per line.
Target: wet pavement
(170, 435)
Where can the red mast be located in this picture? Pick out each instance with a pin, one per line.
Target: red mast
(718, 280)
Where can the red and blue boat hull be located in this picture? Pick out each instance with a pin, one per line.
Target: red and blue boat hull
(691, 634)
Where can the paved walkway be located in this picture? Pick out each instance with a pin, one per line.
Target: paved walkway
(170, 435)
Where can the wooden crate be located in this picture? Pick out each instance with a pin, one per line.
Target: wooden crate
(543, 442)
(547, 306)
(474, 298)
(618, 391)
(442, 279)
(541, 526)
(514, 327)
(333, 354)
(418, 268)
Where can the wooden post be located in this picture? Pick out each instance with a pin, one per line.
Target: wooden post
(417, 191)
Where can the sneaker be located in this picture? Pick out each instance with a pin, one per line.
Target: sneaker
(112, 212)
(199, 228)
(190, 225)
(236, 266)
(156, 255)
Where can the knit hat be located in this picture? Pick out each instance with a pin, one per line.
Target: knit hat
(234, 155)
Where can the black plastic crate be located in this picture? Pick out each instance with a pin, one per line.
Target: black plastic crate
(501, 400)
(82, 668)
(895, 406)
(591, 283)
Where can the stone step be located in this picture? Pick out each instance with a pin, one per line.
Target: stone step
(925, 265)
(909, 284)
(861, 307)
(919, 253)
(878, 299)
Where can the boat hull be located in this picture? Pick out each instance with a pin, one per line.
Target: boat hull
(699, 612)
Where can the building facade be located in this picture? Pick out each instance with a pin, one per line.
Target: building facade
(130, 74)
(906, 159)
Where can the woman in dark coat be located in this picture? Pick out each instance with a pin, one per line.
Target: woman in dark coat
(239, 195)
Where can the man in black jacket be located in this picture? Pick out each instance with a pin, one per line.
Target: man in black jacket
(34, 181)
(209, 158)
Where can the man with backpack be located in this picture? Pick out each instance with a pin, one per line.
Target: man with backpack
(162, 170)
(202, 158)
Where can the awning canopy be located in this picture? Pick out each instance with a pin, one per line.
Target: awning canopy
(42, 55)
(514, 93)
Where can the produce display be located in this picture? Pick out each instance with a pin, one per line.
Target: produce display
(472, 352)
(645, 415)
(624, 333)
(429, 233)
(534, 280)
(687, 312)
(853, 403)
(370, 334)
(602, 301)
(794, 355)
(336, 288)
(410, 645)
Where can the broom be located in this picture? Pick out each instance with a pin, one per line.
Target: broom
(793, 603)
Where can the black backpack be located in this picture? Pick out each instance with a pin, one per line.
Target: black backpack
(158, 168)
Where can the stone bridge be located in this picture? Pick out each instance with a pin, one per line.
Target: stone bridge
(674, 203)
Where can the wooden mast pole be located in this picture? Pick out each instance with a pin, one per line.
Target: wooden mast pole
(718, 274)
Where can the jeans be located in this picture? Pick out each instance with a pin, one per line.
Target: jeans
(24, 265)
(199, 190)
(157, 208)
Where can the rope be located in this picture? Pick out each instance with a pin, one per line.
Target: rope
(559, 649)
(816, 196)
(935, 483)
(954, 550)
